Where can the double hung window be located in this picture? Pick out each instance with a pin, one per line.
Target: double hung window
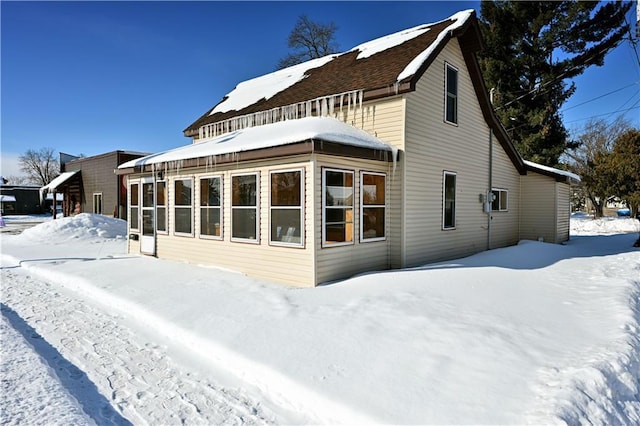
(372, 206)
(211, 207)
(287, 197)
(183, 206)
(449, 200)
(244, 207)
(337, 207)
(134, 207)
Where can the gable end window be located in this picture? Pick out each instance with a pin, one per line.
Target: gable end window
(449, 200)
(337, 207)
(451, 95)
(244, 207)
(372, 206)
(183, 206)
(211, 207)
(286, 208)
(500, 201)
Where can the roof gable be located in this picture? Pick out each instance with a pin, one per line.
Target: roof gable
(384, 63)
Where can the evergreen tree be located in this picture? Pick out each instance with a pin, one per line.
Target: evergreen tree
(531, 48)
(622, 166)
(310, 40)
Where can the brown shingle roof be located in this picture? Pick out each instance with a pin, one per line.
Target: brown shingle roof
(345, 73)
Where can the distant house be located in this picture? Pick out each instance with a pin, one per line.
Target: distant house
(20, 199)
(90, 186)
(385, 156)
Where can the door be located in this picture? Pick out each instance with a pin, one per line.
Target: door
(148, 239)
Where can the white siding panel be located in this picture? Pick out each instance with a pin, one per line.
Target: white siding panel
(563, 206)
(505, 226)
(538, 207)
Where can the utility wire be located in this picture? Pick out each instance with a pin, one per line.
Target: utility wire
(601, 96)
(607, 113)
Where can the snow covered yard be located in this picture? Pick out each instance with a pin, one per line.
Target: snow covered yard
(535, 333)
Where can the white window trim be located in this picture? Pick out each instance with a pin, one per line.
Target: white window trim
(301, 208)
(94, 202)
(257, 209)
(455, 210)
(324, 207)
(137, 183)
(362, 207)
(221, 207)
(446, 93)
(500, 191)
(193, 193)
(165, 205)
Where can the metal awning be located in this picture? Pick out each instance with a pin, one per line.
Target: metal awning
(54, 184)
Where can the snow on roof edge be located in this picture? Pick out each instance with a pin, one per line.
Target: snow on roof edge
(459, 19)
(54, 184)
(553, 170)
(267, 136)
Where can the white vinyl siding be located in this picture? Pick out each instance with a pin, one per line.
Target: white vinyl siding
(563, 211)
(538, 205)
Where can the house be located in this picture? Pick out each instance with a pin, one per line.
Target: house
(89, 185)
(385, 156)
(20, 199)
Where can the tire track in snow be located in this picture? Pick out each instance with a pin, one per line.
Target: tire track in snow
(138, 378)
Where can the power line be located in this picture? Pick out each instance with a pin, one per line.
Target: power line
(606, 113)
(601, 96)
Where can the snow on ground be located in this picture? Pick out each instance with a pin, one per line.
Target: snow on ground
(535, 333)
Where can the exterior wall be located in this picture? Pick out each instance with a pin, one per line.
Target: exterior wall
(338, 262)
(538, 204)
(505, 226)
(98, 177)
(290, 265)
(434, 146)
(563, 211)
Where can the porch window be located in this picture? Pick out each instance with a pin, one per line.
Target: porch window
(97, 202)
(372, 207)
(287, 197)
(451, 96)
(161, 206)
(244, 207)
(337, 207)
(210, 207)
(134, 207)
(449, 200)
(500, 201)
(183, 206)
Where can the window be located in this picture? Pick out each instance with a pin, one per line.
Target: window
(337, 207)
(287, 197)
(161, 206)
(183, 206)
(244, 207)
(372, 209)
(97, 203)
(210, 207)
(451, 99)
(133, 207)
(449, 200)
(500, 200)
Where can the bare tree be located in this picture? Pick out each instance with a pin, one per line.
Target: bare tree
(40, 166)
(310, 40)
(595, 142)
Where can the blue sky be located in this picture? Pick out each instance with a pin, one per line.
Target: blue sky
(92, 77)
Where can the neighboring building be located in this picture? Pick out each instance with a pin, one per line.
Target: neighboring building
(90, 185)
(20, 199)
(386, 156)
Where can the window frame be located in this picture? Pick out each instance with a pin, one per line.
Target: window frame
(300, 207)
(99, 196)
(165, 206)
(190, 207)
(324, 208)
(446, 173)
(376, 206)
(447, 67)
(498, 193)
(256, 208)
(132, 206)
(220, 208)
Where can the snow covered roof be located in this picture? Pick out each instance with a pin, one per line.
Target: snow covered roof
(271, 135)
(550, 170)
(54, 184)
(383, 63)
(7, 198)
